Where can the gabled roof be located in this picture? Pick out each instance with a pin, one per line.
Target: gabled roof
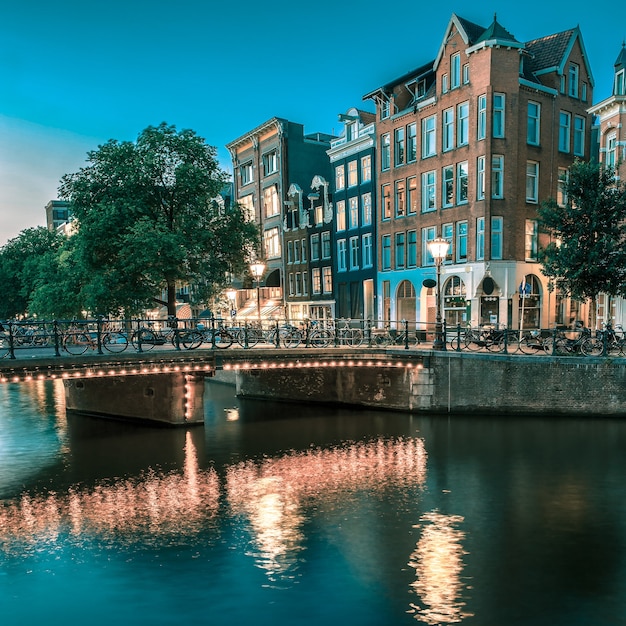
(496, 33)
(469, 32)
(415, 74)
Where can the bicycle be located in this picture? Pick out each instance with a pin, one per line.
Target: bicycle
(487, 337)
(532, 342)
(581, 343)
(77, 341)
(392, 336)
(346, 335)
(146, 337)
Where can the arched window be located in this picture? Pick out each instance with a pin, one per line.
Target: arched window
(454, 302)
(530, 302)
(405, 301)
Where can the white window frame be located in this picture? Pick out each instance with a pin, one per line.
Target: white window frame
(429, 136)
(497, 234)
(447, 186)
(399, 146)
(353, 212)
(341, 215)
(462, 124)
(480, 238)
(367, 250)
(532, 182)
(533, 130)
(579, 136)
(565, 128)
(270, 162)
(499, 115)
(461, 232)
(411, 143)
(342, 263)
(340, 177)
(447, 135)
(385, 252)
(400, 250)
(366, 209)
(385, 152)
(531, 240)
(353, 174)
(480, 177)
(497, 176)
(455, 71)
(481, 117)
(429, 191)
(428, 234)
(462, 182)
(366, 168)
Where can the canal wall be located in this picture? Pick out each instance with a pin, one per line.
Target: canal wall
(451, 382)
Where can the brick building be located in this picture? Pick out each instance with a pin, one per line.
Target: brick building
(469, 144)
(268, 161)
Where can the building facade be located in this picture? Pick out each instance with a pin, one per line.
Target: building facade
(267, 162)
(468, 145)
(353, 184)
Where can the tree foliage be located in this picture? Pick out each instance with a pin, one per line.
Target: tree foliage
(23, 261)
(147, 219)
(587, 253)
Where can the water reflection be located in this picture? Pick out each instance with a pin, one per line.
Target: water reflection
(438, 564)
(272, 494)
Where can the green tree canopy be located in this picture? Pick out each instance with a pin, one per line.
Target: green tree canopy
(587, 252)
(22, 261)
(147, 218)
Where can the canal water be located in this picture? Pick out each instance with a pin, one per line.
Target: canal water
(277, 514)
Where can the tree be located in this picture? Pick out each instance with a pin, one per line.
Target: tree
(147, 218)
(587, 252)
(22, 261)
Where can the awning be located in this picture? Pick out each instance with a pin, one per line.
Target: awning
(183, 312)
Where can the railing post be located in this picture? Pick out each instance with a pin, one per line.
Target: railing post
(307, 334)
(336, 333)
(139, 333)
(406, 334)
(444, 332)
(277, 339)
(55, 332)
(11, 341)
(369, 333)
(458, 337)
(245, 335)
(174, 322)
(212, 332)
(506, 339)
(98, 333)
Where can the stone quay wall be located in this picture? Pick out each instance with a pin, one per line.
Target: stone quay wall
(450, 382)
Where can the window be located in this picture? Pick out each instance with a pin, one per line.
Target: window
(398, 146)
(619, 89)
(480, 178)
(480, 239)
(498, 114)
(385, 152)
(429, 194)
(532, 181)
(400, 206)
(531, 241)
(412, 195)
(444, 83)
(315, 247)
(292, 291)
(533, 128)
(247, 203)
(461, 242)
(386, 196)
(565, 120)
(611, 150)
(290, 252)
(340, 177)
(466, 79)
(351, 131)
(455, 71)
(481, 130)
(497, 176)
(303, 249)
(326, 245)
(583, 92)
(428, 234)
(353, 216)
(400, 258)
(296, 251)
(447, 184)
(462, 129)
(270, 201)
(411, 143)
(447, 138)
(341, 215)
(353, 176)
(386, 252)
(270, 163)
(447, 233)
(385, 108)
(366, 208)
(246, 173)
(461, 183)
(271, 241)
(354, 253)
(298, 284)
(368, 257)
(429, 136)
(316, 280)
(341, 255)
(573, 80)
(366, 168)
(561, 195)
(411, 253)
(305, 284)
(562, 83)
(496, 238)
(579, 136)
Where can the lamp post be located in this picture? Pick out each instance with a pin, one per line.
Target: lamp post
(439, 250)
(231, 294)
(257, 268)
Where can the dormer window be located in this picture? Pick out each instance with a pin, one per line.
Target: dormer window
(573, 80)
(384, 109)
(421, 89)
(620, 83)
(351, 131)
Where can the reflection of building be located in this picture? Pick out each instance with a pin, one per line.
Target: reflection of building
(469, 144)
(352, 157)
(611, 117)
(267, 162)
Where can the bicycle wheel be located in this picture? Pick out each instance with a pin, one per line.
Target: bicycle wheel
(381, 339)
(472, 340)
(191, 339)
(592, 347)
(76, 343)
(615, 347)
(320, 338)
(562, 347)
(223, 339)
(4, 346)
(145, 338)
(250, 335)
(292, 339)
(115, 342)
(495, 344)
(353, 337)
(530, 345)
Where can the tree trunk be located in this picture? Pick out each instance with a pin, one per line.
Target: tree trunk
(171, 297)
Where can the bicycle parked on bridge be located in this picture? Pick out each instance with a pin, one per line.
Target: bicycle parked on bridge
(77, 340)
(393, 337)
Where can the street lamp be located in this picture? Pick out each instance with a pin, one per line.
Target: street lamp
(257, 268)
(439, 250)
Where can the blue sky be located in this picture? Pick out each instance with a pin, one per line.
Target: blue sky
(74, 74)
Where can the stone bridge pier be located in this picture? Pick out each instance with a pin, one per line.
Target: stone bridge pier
(173, 399)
